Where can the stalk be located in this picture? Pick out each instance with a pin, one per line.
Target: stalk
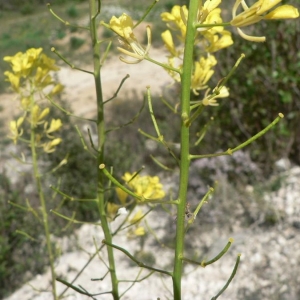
(185, 141)
(37, 177)
(94, 11)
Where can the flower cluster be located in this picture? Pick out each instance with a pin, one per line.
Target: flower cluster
(136, 229)
(29, 77)
(148, 187)
(260, 10)
(123, 27)
(210, 38)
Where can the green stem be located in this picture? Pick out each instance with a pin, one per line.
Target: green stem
(184, 153)
(230, 278)
(139, 263)
(95, 6)
(37, 177)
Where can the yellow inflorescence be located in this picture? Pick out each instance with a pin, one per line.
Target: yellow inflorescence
(30, 74)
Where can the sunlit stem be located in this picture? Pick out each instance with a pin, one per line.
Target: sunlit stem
(118, 89)
(68, 113)
(26, 235)
(68, 63)
(184, 151)
(165, 66)
(230, 278)
(63, 21)
(95, 7)
(37, 177)
(104, 57)
(258, 135)
(226, 248)
(224, 80)
(202, 133)
(69, 285)
(195, 115)
(152, 113)
(146, 13)
(249, 141)
(80, 290)
(199, 206)
(139, 263)
(204, 263)
(73, 220)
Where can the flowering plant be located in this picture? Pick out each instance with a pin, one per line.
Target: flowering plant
(193, 36)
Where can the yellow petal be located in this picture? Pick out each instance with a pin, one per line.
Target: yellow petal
(168, 40)
(140, 231)
(55, 125)
(122, 196)
(283, 12)
(137, 217)
(122, 25)
(211, 4)
(44, 113)
(266, 5)
(57, 89)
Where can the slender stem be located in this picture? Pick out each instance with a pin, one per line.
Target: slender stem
(165, 66)
(230, 278)
(226, 248)
(37, 177)
(261, 133)
(69, 64)
(139, 263)
(146, 13)
(184, 153)
(95, 6)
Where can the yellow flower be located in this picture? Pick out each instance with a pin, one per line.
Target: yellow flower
(176, 20)
(173, 74)
(257, 12)
(54, 126)
(146, 186)
(15, 130)
(209, 13)
(23, 63)
(217, 41)
(168, 40)
(135, 220)
(122, 196)
(33, 66)
(112, 210)
(47, 63)
(13, 79)
(25, 103)
(139, 231)
(123, 26)
(56, 90)
(202, 73)
(137, 217)
(37, 116)
(50, 147)
(211, 99)
(134, 232)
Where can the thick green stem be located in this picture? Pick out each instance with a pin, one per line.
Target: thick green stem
(184, 155)
(94, 11)
(37, 177)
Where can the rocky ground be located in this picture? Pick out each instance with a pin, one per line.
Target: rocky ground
(269, 267)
